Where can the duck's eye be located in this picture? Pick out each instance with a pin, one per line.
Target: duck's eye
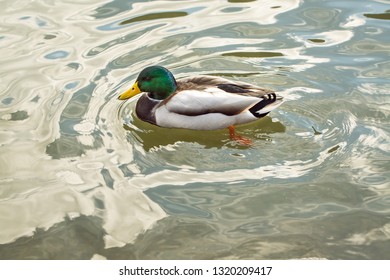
(147, 78)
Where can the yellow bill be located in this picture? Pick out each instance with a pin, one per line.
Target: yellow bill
(133, 91)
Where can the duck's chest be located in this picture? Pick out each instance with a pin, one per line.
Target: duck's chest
(145, 108)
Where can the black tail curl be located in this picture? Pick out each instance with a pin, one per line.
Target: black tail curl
(267, 100)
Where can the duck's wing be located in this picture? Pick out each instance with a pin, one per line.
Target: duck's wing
(204, 82)
(202, 95)
(212, 100)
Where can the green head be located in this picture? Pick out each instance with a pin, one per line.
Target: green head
(156, 80)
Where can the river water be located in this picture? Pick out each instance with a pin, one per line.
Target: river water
(81, 177)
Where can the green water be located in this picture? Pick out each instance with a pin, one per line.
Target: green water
(81, 177)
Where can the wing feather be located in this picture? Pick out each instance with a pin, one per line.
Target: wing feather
(211, 100)
(203, 82)
(200, 95)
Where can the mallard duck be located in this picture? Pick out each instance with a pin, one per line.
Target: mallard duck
(199, 102)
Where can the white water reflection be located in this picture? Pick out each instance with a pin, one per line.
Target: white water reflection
(326, 39)
(70, 153)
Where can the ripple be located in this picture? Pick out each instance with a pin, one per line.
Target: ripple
(315, 182)
(253, 54)
(57, 55)
(325, 39)
(322, 17)
(154, 16)
(382, 16)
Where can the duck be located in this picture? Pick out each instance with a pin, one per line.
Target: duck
(199, 102)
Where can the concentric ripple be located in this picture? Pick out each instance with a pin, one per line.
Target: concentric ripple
(81, 175)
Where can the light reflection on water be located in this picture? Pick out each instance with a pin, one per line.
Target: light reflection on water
(80, 176)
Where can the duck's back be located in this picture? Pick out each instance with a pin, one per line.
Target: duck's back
(206, 82)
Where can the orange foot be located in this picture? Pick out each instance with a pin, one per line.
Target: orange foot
(238, 138)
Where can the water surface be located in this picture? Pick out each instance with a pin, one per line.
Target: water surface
(81, 177)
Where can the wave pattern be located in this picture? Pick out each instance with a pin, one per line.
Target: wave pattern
(77, 166)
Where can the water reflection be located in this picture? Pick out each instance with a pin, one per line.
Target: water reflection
(383, 16)
(154, 16)
(79, 170)
(151, 136)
